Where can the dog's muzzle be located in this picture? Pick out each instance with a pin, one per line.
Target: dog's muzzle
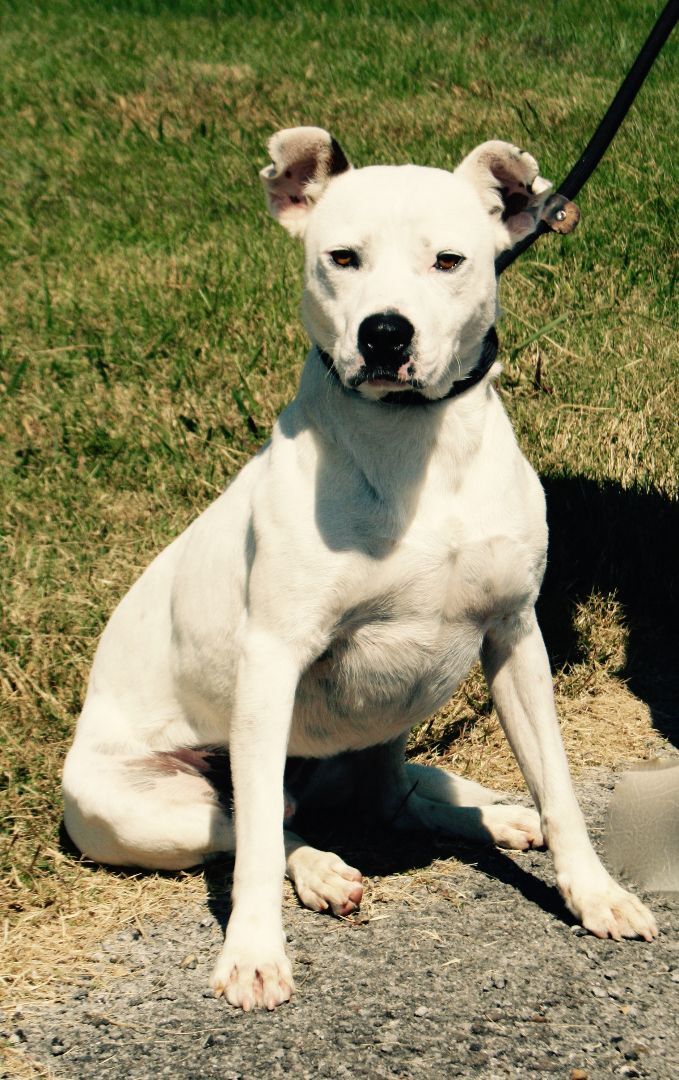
(412, 395)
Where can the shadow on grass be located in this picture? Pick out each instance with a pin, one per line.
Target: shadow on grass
(625, 543)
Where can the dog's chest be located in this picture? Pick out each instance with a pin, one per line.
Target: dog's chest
(399, 651)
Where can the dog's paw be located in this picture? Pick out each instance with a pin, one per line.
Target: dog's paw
(606, 909)
(252, 977)
(322, 880)
(515, 827)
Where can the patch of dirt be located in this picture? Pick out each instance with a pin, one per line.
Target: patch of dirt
(472, 966)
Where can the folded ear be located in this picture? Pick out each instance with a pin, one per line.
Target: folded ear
(303, 160)
(515, 195)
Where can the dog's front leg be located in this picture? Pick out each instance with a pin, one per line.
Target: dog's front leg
(517, 669)
(253, 969)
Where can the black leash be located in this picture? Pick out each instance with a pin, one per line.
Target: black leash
(605, 133)
(559, 214)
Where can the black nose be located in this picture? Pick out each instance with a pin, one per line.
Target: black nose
(384, 339)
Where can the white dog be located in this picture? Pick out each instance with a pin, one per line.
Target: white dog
(339, 590)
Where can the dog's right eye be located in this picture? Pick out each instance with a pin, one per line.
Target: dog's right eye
(344, 257)
(448, 260)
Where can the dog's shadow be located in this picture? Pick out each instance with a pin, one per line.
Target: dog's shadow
(379, 851)
(621, 543)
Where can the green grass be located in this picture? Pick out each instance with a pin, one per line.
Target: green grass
(149, 331)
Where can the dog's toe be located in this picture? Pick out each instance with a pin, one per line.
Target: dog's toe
(323, 881)
(515, 827)
(249, 980)
(607, 910)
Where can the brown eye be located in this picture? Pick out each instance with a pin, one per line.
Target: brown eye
(344, 257)
(448, 260)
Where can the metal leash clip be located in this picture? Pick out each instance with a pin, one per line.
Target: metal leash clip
(560, 214)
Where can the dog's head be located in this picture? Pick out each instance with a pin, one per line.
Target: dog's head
(400, 284)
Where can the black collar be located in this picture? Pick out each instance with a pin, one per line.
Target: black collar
(414, 397)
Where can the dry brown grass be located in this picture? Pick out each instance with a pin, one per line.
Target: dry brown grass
(602, 724)
(16, 1065)
(46, 951)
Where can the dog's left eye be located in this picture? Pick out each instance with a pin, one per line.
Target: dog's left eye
(344, 257)
(448, 260)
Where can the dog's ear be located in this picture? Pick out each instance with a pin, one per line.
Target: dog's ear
(512, 190)
(303, 160)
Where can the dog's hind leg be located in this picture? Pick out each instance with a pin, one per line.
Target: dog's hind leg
(162, 811)
(487, 818)
(440, 786)
(157, 811)
(419, 797)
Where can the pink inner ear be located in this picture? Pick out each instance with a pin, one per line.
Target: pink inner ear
(282, 200)
(510, 181)
(288, 188)
(518, 224)
(516, 195)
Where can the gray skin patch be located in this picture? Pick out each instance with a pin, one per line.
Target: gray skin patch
(211, 763)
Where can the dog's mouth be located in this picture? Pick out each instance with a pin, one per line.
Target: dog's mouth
(378, 377)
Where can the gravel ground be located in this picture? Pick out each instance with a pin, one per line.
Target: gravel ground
(472, 970)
